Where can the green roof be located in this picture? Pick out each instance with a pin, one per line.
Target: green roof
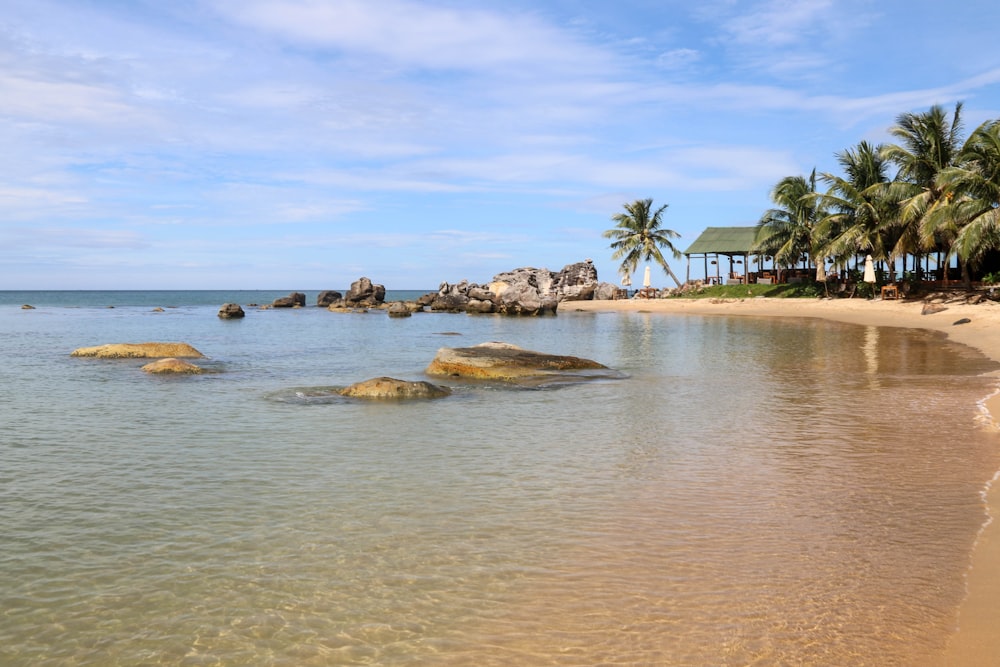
(723, 241)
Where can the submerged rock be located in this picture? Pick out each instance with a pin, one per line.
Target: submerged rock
(399, 309)
(173, 365)
(391, 388)
(502, 361)
(138, 351)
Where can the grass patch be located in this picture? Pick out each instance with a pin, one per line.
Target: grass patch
(797, 291)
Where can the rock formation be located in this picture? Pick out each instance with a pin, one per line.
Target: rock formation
(364, 294)
(173, 365)
(231, 311)
(391, 388)
(524, 291)
(138, 351)
(502, 361)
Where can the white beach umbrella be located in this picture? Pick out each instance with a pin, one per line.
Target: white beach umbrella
(626, 280)
(869, 276)
(646, 281)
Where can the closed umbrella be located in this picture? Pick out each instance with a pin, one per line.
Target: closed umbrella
(626, 280)
(869, 270)
(646, 281)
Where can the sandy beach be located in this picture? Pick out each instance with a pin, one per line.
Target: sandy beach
(976, 642)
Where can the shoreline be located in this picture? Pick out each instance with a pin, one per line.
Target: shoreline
(975, 641)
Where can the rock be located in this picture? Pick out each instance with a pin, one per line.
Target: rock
(364, 293)
(964, 320)
(502, 361)
(391, 388)
(138, 351)
(173, 365)
(293, 300)
(231, 311)
(606, 291)
(158, 310)
(327, 298)
(577, 282)
(451, 302)
(398, 309)
(931, 308)
(27, 307)
(480, 306)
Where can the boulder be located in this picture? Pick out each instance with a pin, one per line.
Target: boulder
(173, 365)
(577, 282)
(138, 351)
(502, 361)
(451, 302)
(231, 311)
(399, 309)
(364, 293)
(327, 298)
(391, 388)
(606, 291)
(293, 300)
(27, 306)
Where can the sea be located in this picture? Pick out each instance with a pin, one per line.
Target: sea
(741, 491)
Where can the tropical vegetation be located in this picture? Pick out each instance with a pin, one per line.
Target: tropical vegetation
(943, 199)
(639, 235)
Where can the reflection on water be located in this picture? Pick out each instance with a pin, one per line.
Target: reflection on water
(754, 492)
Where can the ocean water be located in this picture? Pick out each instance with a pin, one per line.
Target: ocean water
(750, 492)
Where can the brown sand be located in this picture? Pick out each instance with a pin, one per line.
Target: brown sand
(977, 641)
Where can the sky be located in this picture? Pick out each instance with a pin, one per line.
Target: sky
(302, 144)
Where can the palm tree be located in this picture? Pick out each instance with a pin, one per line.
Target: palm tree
(639, 236)
(929, 143)
(787, 232)
(858, 215)
(970, 206)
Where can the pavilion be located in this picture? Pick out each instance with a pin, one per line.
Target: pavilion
(734, 243)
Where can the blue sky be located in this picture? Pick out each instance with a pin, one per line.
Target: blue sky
(301, 144)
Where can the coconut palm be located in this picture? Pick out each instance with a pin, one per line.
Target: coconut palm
(639, 236)
(969, 209)
(858, 216)
(930, 142)
(787, 232)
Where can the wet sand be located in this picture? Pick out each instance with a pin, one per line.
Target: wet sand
(976, 642)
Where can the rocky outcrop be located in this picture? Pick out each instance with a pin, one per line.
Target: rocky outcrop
(524, 291)
(327, 298)
(390, 388)
(231, 311)
(173, 365)
(138, 351)
(293, 300)
(502, 361)
(364, 294)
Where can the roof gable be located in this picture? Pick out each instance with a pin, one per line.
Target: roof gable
(723, 241)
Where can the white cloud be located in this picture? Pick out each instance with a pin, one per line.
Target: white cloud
(413, 34)
(678, 59)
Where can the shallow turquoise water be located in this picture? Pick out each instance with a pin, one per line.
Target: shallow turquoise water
(753, 492)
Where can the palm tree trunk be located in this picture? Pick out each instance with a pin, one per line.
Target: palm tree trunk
(671, 273)
(966, 275)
